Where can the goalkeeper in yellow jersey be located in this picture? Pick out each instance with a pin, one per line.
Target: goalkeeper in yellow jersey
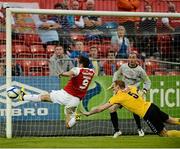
(129, 98)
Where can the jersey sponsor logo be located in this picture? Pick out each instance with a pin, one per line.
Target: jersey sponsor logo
(25, 110)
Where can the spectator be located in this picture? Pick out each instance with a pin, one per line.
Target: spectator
(47, 31)
(78, 20)
(129, 22)
(93, 56)
(148, 39)
(17, 69)
(63, 20)
(170, 24)
(3, 14)
(132, 47)
(91, 21)
(65, 25)
(79, 50)
(120, 43)
(110, 65)
(148, 24)
(59, 62)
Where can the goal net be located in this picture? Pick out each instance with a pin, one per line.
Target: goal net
(27, 53)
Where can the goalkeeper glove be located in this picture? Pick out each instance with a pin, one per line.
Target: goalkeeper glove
(142, 92)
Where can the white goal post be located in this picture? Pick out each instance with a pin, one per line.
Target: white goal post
(11, 11)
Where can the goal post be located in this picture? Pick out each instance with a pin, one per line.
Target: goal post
(8, 73)
(94, 121)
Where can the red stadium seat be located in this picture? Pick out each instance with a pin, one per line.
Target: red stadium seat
(37, 49)
(2, 50)
(35, 71)
(20, 49)
(40, 55)
(30, 39)
(50, 50)
(174, 73)
(120, 62)
(25, 65)
(41, 63)
(24, 55)
(2, 36)
(77, 36)
(46, 70)
(151, 67)
(160, 73)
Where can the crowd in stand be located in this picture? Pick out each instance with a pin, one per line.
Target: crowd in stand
(150, 37)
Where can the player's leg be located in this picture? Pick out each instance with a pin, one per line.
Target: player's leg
(173, 121)
(33, 97)
(114, 120)
(70, 116)
(169, 133)
(156, 118)
(71, 103)
(138, 123)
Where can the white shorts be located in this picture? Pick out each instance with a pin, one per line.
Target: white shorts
(63, 98)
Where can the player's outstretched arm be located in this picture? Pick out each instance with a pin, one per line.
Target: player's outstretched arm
(66, 74)
(98, 109)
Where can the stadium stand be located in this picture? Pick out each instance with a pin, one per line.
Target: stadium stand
(29, 45)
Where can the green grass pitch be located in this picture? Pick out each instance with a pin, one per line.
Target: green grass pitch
(149, 141)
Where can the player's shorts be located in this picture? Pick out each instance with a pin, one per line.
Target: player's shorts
(63, 98)
(155, 118)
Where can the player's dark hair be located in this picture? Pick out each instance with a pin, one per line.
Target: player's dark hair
(84, 60)
(120, 83)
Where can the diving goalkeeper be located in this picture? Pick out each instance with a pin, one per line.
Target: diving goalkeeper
(129, 98)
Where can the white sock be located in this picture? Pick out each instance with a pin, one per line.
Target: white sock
(32, 97)
(72, 122)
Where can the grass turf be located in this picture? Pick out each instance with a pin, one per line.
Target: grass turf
(91, 142)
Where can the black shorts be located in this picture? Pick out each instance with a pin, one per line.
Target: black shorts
(155, 118)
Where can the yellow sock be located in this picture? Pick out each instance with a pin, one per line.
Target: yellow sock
(173, 133)
(177, 121)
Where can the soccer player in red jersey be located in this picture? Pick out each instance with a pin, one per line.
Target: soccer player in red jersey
(72, 93)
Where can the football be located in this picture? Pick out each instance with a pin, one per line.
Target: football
(13, 92)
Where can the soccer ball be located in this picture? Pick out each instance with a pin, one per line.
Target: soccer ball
(13, 92)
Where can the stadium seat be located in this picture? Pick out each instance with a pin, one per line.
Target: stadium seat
(40, 55)
(120, 62)
(103, 50)
(2, 36)
(174, 73)
(151, 67)
(50, 50)
(2, 50)
(25, 65)
(20, 49)
(77, 36)
(41, 63)
(160, 73)
(37, 49)
(24, 55)
(35, 71)
(31, 39)
(164, 43)
(45, 70)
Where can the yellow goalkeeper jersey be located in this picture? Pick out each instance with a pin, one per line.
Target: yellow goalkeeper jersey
(131, 100)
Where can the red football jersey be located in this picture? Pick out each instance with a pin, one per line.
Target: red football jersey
(78, 84)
